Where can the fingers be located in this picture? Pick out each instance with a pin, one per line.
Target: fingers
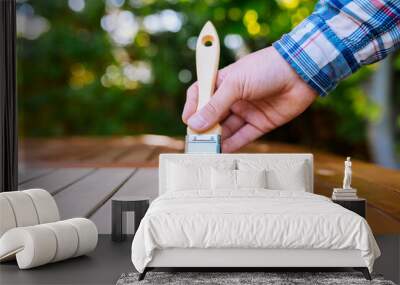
(252, 113)
(190, 107)
(222, 73)
(255, 123)
(218, 107)
(242, 137)
(192, 94)
(231, 125)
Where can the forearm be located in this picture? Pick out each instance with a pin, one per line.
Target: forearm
(340, 37)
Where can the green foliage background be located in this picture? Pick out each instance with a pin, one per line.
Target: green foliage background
(50, 105)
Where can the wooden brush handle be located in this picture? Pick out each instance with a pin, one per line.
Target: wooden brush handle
(207, 59)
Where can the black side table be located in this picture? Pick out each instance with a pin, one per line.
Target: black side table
(137, 204)
(358, 205)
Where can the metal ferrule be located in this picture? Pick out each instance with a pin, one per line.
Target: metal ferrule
(203, 143)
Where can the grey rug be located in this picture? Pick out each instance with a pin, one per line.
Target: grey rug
(232, 278)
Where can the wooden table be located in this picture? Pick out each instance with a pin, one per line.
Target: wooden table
(84, 173)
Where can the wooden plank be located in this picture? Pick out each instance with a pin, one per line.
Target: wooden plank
(81, 198)
(380, 186)
(58, 180)
(108, 155)
(96, 151)
(27, 173)
(33, 149)
(154, 158)
(47, 150)
(64, 149)
(143, 183)
(138, 153)
(379, 221)
(368, 171)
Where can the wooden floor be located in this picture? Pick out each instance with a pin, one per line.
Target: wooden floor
(86, 192)
(83, 174)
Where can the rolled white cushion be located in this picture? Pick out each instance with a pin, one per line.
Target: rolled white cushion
(37, 245)
(67, 240)
(87, 233)
(45, 205)
(7, 218)
(33, 246)
(23, 208)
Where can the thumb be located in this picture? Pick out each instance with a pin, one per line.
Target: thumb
(213, 112)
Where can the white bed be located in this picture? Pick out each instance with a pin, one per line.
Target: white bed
(194, 224)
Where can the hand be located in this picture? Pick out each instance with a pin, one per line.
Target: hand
(253, 96)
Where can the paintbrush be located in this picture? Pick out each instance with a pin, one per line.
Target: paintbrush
(207, 59)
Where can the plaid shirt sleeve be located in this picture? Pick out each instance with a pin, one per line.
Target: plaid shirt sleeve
(339, 37)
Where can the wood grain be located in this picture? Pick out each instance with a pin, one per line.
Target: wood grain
(143, 183)
(57, 180)
(27, 174)
(86, 196)
(380, 186)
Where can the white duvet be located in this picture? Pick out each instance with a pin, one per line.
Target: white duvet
(250, 219)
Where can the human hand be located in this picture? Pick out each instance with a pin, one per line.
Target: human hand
(253, 96)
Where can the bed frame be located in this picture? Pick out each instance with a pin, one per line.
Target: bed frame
(248, 259)
(262, 259)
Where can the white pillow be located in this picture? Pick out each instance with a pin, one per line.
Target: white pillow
(223, 179)
(183, 178)
(226, 179)
(291, 178)
(251, 178)
(281, 174)
(193, 175)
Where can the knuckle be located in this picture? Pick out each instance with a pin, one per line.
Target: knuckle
(191, 91)
(236, 85)
(211, 108)
(263, 128)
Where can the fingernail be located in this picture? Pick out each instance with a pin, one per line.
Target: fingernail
(197, 122)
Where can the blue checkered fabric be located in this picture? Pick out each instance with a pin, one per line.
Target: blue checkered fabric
(339, 37)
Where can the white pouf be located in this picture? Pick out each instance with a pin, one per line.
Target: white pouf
(67, 239)
(31, 233)
(37, 245)
(23, 208)
(87, 233)
(32, 246)
(7, 220)
(46, 207)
